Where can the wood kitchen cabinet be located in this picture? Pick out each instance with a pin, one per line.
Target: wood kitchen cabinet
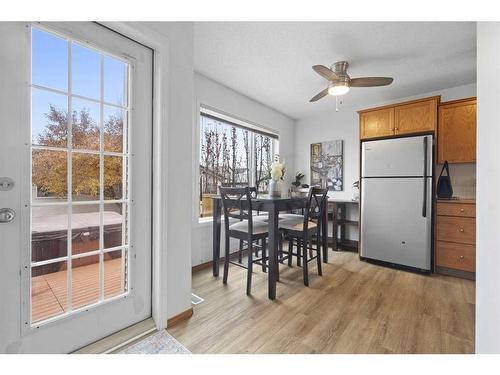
(455, 250)
(457, 131)
(377, 123)
(417, 116)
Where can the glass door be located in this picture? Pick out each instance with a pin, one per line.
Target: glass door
(86, 220)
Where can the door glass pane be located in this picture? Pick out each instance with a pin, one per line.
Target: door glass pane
(263, 161)
(94, 226)
(85, 124)
(113, 225)
(85, 282)
(49, 176)
(86, 72)
(113, 176)
(114, 273)
(49, 125)
(115, 81)
(85, 224)
(49, 60)
(49, 232)
(85, 172)
(114, 125)
(49, 291)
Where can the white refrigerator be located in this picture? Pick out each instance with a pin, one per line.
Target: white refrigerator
(396, 201)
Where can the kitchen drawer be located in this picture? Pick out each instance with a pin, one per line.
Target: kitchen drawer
(456, 256)
(456, 229)
(456, 209)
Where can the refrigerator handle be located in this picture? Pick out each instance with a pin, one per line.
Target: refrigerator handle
(424, 203)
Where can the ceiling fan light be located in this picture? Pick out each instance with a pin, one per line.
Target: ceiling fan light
(339, 88)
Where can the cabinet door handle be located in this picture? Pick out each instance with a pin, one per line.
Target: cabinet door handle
(461, 230)
(461, 210)
(461, 257)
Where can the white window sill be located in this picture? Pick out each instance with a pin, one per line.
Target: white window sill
(208, 221)
(203, 221)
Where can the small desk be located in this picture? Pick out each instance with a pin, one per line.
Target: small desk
(273, 206)
(339, 208)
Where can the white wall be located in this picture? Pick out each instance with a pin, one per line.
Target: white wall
(334, 125)
(217, 96)
(177, 168)
(488, 187)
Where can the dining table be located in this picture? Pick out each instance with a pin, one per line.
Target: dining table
(273, 206)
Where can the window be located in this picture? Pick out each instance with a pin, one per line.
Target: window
(79, 163)
(232, 153)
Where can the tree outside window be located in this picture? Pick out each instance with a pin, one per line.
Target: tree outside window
(231, 156)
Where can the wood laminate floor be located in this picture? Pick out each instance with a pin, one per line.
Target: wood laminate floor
(355, 307)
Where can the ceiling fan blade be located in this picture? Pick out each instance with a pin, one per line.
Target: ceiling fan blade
(370, 81)
(319, 95)
(325, 72)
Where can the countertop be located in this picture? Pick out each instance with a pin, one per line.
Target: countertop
(338, 200)
(458, 200)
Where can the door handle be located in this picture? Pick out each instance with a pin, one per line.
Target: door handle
(424, 202)
(7, 215)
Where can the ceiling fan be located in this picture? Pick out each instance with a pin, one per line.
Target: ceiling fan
(339, 81)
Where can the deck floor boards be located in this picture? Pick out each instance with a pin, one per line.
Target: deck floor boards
(49, 292)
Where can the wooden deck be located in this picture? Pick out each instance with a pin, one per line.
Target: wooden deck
(49, 292)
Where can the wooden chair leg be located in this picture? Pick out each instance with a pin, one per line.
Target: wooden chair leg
(290, 249)
(305, 270)
(240, 252)
(226, 261)
(318, 253)
(250, 266)
(277, 270)
(264, 255)
(280, 248)
(299, 252)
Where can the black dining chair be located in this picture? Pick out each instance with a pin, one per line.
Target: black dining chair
(237, 204)
(257, 216)
(304, 229)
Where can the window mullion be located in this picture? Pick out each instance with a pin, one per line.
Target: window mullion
(251, 139)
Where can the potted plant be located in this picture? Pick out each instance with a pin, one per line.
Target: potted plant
(355, 195)
(298, 178)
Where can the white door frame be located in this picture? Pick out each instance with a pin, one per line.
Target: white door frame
(161, 46)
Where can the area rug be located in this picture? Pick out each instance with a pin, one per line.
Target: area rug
(158, 343)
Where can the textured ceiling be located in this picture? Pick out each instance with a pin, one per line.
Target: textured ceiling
(270, 62)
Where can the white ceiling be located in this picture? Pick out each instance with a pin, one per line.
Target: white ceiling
(270, 62)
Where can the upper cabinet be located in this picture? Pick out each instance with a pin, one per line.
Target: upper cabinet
(378, 123)
(417, 116)
(457, 131)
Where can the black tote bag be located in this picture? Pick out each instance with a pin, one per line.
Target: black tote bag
(444, 188)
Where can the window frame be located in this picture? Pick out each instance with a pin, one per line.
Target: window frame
(237, 122)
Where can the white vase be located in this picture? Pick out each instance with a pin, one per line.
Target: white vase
(274, 188)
